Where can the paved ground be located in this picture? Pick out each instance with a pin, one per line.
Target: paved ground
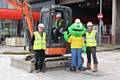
(9, 73)
(109, 63)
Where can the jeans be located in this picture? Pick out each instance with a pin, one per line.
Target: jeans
(91, 50)
(76, 57)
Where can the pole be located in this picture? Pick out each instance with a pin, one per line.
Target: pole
(100, 23)
(25, 33)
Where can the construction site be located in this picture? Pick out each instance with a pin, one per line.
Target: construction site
(21, 19)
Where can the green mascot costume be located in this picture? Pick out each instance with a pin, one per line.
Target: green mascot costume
(74, 36)
(76, 29)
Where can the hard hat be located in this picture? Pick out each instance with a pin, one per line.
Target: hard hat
(89, 24)
(58, 15)
(41, 25)
(77, 21)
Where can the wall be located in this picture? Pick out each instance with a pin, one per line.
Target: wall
(116, 22)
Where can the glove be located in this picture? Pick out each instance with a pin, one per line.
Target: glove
(54, 30)
(66, 35)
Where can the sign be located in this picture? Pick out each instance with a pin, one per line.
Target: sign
(100, 16)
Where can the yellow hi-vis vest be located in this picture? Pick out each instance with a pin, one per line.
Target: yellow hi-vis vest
(58, 23)
(40, 41)
(91, 38)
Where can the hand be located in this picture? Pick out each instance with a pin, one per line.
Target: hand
(30, 49)
(54, 30)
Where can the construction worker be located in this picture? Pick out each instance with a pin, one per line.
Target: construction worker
(91, 46)
(77, 43)
(58, 27)
(38, 44)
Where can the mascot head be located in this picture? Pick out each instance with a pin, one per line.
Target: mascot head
(77, 28)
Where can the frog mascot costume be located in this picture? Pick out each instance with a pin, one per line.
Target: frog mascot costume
(76, 29)
(74, 36)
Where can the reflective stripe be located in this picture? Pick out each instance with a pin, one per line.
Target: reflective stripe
(91, 38)
(40, 43)
(58, 23)
(39, 39)
(91, 42)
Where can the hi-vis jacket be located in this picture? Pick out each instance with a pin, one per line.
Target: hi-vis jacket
(91, 38)
(40, 41)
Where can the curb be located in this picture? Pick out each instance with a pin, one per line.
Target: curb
(27, 52)
(111, 49)
(18, 53)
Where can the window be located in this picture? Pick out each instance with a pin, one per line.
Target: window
(8, 28)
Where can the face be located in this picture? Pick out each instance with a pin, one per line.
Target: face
(89, 28)
(40, 29)
(58, 18)
(78, 26)
(77, 29)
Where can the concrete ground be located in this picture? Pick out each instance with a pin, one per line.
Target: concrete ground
(109, 63)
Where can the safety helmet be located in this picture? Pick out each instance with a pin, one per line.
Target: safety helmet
(58, 15)
(77, 21)
(89, 24)
(41, 25)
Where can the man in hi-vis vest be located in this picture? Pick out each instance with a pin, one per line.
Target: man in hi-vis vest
(38, 44)
(58, 27)
(91, 46)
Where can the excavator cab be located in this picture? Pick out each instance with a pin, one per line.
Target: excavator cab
(56, 20)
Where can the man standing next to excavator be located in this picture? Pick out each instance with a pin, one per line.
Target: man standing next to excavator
(38, 45)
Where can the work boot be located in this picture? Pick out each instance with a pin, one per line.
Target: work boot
(82, 69)
(37, 71)
(88, 66)
(42, 70)
(95, 68)
(72, 69)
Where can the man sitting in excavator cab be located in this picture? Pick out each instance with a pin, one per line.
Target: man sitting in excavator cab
(57, 27)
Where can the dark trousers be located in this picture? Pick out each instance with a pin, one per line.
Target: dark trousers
(91, 51)
(55, 36)
(39, 59)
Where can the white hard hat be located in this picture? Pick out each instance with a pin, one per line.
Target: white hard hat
(77, 21)
(41, 25)
(58, 15)
(89, 24)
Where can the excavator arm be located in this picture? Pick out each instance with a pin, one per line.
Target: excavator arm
(25, 8)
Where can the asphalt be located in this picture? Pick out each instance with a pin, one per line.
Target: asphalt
(108, 69)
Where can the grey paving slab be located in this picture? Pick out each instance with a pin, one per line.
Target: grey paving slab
(9, 73)
(108, 69)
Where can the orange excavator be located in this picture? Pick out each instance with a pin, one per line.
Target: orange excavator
(47, 17)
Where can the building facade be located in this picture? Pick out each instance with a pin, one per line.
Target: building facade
(86, 10)
(11, 21)
(8, 28)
